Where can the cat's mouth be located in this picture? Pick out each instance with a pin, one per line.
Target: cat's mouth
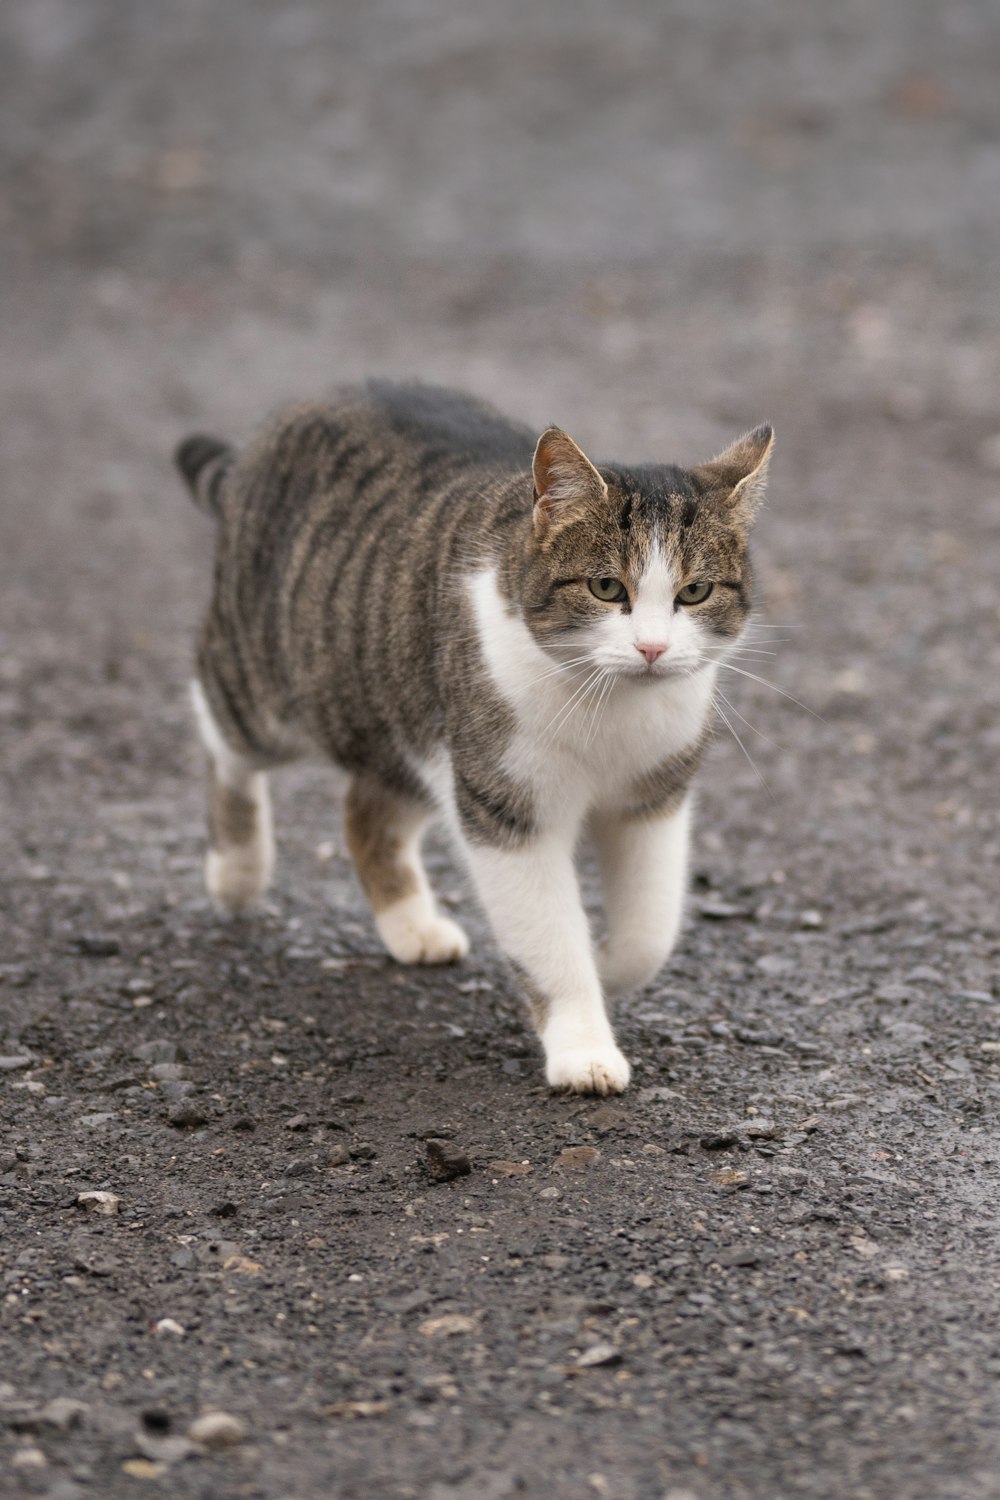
(658, 672)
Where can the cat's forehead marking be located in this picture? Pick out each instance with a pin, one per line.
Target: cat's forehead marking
(657, 506)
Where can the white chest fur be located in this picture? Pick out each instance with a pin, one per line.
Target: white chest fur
(582, 736)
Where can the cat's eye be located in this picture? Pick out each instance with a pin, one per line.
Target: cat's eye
(694, 593)
(608, 590)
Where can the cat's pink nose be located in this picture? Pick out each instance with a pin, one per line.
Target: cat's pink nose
(651, 650)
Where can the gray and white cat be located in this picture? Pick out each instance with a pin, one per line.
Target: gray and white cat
(488, 630)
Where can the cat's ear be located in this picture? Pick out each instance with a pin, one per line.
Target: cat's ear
(565, 480)
(741, 469)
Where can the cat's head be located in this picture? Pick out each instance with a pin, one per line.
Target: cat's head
(645, 571)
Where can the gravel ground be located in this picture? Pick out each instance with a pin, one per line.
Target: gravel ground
(770, 1270)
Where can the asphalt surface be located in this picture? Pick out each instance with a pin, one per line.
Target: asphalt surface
(770, 1270)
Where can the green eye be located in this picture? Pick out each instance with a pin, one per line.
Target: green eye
(608, 590)
(694, 593)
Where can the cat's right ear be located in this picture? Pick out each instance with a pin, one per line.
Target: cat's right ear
(565, 482)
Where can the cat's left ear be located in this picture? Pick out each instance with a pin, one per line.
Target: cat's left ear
(741, 469)
(565, 481)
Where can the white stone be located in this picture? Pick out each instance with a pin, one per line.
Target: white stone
(217, 1429)
(99, 1203)
(169, 1326)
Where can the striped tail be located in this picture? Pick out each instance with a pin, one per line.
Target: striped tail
(204, 463)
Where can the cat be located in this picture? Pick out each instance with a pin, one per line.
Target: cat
(485, 627)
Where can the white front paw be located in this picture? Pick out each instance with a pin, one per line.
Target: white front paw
(414, 935)
(587, 1070)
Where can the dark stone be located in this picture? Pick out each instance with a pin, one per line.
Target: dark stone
(723, 1140)
(91, 945)
(444, 1165)
(187, 1114)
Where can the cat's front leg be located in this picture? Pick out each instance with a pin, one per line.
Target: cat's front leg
(532, 898)
(643, 865)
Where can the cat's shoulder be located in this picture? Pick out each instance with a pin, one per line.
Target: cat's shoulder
(440, 416)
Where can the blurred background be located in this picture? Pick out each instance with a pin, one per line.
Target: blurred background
(653, 223)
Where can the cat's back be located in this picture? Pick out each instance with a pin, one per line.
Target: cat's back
(448, 422)
(373, 454)
(399, 424)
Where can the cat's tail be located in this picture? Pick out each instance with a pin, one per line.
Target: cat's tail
(204, 463)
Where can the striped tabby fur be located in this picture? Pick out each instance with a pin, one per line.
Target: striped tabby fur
(486, 628)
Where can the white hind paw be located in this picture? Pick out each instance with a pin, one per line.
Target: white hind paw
(236, 880)
(415, 935)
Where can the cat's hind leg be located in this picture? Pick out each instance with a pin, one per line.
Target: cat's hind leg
(240, 859)
(383, 834)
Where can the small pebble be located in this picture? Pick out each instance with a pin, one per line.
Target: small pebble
(444, 1164)
(297, 1122)
(723, 1140)
(99, 1202)
(578, 1156)
(94, 946)
(29, 1458)
(728, 1177)
(721, 911)
(10, 1064)
(446, 1325)
(187, 1114)
(742, 1255)
(142, 1468)
(217, 1429)
(62, 1412)
(168, 1327)
(597, 1355)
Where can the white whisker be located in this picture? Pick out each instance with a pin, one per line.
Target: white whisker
(564, 713)
(734, 710)
(764, 682)
(753, 766)
(605, 690)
